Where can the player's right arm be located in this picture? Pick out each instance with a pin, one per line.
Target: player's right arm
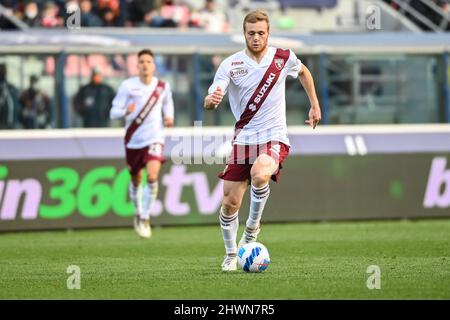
(121, 105)
(218, 89)
(214, 99)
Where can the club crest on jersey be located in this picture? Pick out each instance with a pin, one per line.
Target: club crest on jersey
(279, 63)
(159, 90)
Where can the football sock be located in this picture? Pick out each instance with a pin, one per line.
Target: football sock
(136, 197)
(258, 199)
(150, 193)
(229, 226)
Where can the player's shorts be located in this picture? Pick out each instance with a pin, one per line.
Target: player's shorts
(138, 158)
(242, 157)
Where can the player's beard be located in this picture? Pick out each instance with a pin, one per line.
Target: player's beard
(258, 50)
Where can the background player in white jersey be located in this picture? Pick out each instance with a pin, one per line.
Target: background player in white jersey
(255, 79)
(146, 103)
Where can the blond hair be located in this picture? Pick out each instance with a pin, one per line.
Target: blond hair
(256, 16)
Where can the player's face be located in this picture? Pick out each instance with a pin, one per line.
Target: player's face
(256, 35)
(146, 65)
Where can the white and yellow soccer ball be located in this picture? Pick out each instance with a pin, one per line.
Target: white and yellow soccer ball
(253, 257)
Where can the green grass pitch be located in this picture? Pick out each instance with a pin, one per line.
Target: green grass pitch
(309, 261)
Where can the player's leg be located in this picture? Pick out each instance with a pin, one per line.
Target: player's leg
(136, 195)
(142, 224)
(135, 191)
(152, 160)
(151, 187)
(134, 164)
(229, 221)
(262, 170)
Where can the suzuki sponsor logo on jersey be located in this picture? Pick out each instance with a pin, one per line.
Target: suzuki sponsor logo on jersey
(262, 91)
(237, 63)
(238, 72)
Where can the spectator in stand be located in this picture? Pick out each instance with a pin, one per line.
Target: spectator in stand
(211, 19)
(140, 12)
(36, 109)
(9, 104)
(93, 101)
(123, 13)
(31, 14)
(109, 11)
(173, 13)
(50, 16)
(88, 17)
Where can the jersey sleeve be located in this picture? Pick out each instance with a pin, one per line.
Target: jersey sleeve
(221, 79)
(120, 103)
(167, 103)
(294, 65)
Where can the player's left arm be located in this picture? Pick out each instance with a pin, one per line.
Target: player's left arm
(168, 108)
(307, 82)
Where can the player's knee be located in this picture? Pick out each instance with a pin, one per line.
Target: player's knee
(230, 205)
(136, 179)
(259, 179)
(152, 177)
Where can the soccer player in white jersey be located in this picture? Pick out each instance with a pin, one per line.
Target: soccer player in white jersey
(255, 80)
(146, 103)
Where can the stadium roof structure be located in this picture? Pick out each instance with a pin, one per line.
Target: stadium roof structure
(189, 42)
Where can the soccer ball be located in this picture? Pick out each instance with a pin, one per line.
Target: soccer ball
(253, 257)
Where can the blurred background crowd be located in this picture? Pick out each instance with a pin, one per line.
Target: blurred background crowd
(117, 13)
(203, 14)
(53, 77)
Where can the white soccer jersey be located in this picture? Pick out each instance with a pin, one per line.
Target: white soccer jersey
(133, 90)
(240, 76)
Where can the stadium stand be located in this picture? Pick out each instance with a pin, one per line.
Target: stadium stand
(428, 15)
(363, 73)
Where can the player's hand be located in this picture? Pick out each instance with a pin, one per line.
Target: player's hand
(314, 117)
(214, 99)
(130, 108)
(168, 122)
